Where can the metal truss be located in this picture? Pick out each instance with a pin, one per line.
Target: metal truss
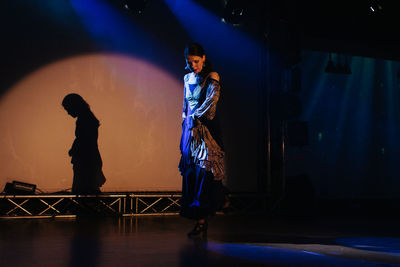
(109, 204)
(147, 204)
(12, 206)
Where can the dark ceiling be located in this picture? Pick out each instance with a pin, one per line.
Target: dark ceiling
(343, 26)
(351, 26)
(348, 27)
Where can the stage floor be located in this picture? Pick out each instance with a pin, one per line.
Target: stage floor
(233, 240)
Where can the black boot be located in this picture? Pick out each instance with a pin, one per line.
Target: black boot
(200, 229)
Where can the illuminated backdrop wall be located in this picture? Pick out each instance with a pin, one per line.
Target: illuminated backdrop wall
(138, 106)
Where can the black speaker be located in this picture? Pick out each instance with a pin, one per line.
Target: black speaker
(19, 188)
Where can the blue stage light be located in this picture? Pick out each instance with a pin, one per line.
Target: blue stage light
(222, 41)
(112, 30)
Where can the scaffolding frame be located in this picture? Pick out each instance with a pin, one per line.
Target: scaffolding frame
(113, 204)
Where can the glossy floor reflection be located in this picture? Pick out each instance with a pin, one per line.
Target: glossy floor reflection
(232, 241)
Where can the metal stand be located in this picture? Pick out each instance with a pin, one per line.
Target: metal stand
(111, 204)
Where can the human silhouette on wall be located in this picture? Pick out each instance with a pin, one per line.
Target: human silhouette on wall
(84, 153)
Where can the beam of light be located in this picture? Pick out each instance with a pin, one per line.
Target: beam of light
(344, 109)
(348, 108)
(392, 131)
(221, 40)
(362, 126)
(392, 102)
(114, 31)
(316, 70)
(326, 110)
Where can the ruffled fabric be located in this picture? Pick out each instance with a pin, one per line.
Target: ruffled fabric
(199, 148)
(206, 153)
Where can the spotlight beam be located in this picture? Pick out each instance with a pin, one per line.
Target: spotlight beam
(113, 30)
(222, 39)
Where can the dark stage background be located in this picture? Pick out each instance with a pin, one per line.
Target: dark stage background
(130, 67)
